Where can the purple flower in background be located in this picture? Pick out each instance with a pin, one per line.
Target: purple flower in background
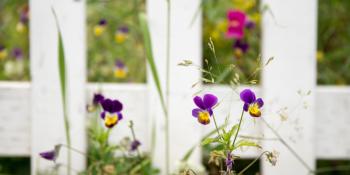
(102, 22)
(241, 45)
(98, 98)
(250, 24)
(123, 29)
(251, 104)
(111, 112)
(17, 53)
(24, 14)
(229, 162)
(204, 110)
(120, 70)
(121, 34)
(236, 23)
(134, 145)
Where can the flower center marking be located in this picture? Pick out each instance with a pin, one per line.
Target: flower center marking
(111, 119)
(254, 110)
(203, 117)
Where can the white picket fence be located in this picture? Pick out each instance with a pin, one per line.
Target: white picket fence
(31, 113)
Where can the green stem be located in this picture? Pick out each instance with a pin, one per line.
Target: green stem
(239, 127)
(167, 142)
(288, 146)
(252, 163)
(67, 132)
(216, 126)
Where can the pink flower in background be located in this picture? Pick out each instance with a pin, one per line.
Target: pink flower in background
(236, 23)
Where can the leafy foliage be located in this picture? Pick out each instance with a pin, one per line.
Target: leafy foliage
(333, 42)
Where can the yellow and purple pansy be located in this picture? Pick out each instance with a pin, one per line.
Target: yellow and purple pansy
(205, 108)
(251, 104)
(23, 19)
(236, 23)
(111, 113)
(121, 34)
(100, 27)
(120, 70)
(240, 47)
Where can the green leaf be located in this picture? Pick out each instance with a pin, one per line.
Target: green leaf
(227, 135)
(149, 54)
(209, 140)
(190, 151)
(242, 143)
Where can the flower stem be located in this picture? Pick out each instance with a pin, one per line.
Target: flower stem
(239, 127)
(252, 163)
(216, 126)
(167, 142)
(68, 139)
(288, 146)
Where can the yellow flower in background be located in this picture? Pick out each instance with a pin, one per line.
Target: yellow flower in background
(120, 70)
(121, 34)
(100, 27)
(218, 30)
(3, 52)
(319, 55)
(244, 5)
(21, 28)
(255, 17)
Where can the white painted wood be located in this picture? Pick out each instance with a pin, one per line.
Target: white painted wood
(14, 119)
(185, 44)
(47, 116)
(290, 37)
(331, 110)
(332, 123)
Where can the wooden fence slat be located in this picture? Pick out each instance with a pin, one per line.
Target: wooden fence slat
(289, 35)
(185, 44)
(47, 127)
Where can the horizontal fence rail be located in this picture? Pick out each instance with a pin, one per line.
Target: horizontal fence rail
(332, 119)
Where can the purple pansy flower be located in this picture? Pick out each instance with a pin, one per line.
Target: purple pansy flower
(204, 110)
(102, 22)
(111, 112)
(17, 53)
(241, 45)
(250, 24)
(229, 162)
(24, 14)
(123, 29)
(98, 98)
(251, 104)
(119, 64)
(236, 22)
(49, 155)
(134, 145)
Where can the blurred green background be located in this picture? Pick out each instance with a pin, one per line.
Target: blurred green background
(113, 43)
(14, 41)
(215, 27)
(333, 42)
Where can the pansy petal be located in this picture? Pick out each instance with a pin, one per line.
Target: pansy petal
(48, 155)
(210, 100)
(245, 107)
(103, 115)
(120, 116)
(107, 105)
(247, 96)
(260, 102)
(117, 106)
(195, 112)
(199, 102)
